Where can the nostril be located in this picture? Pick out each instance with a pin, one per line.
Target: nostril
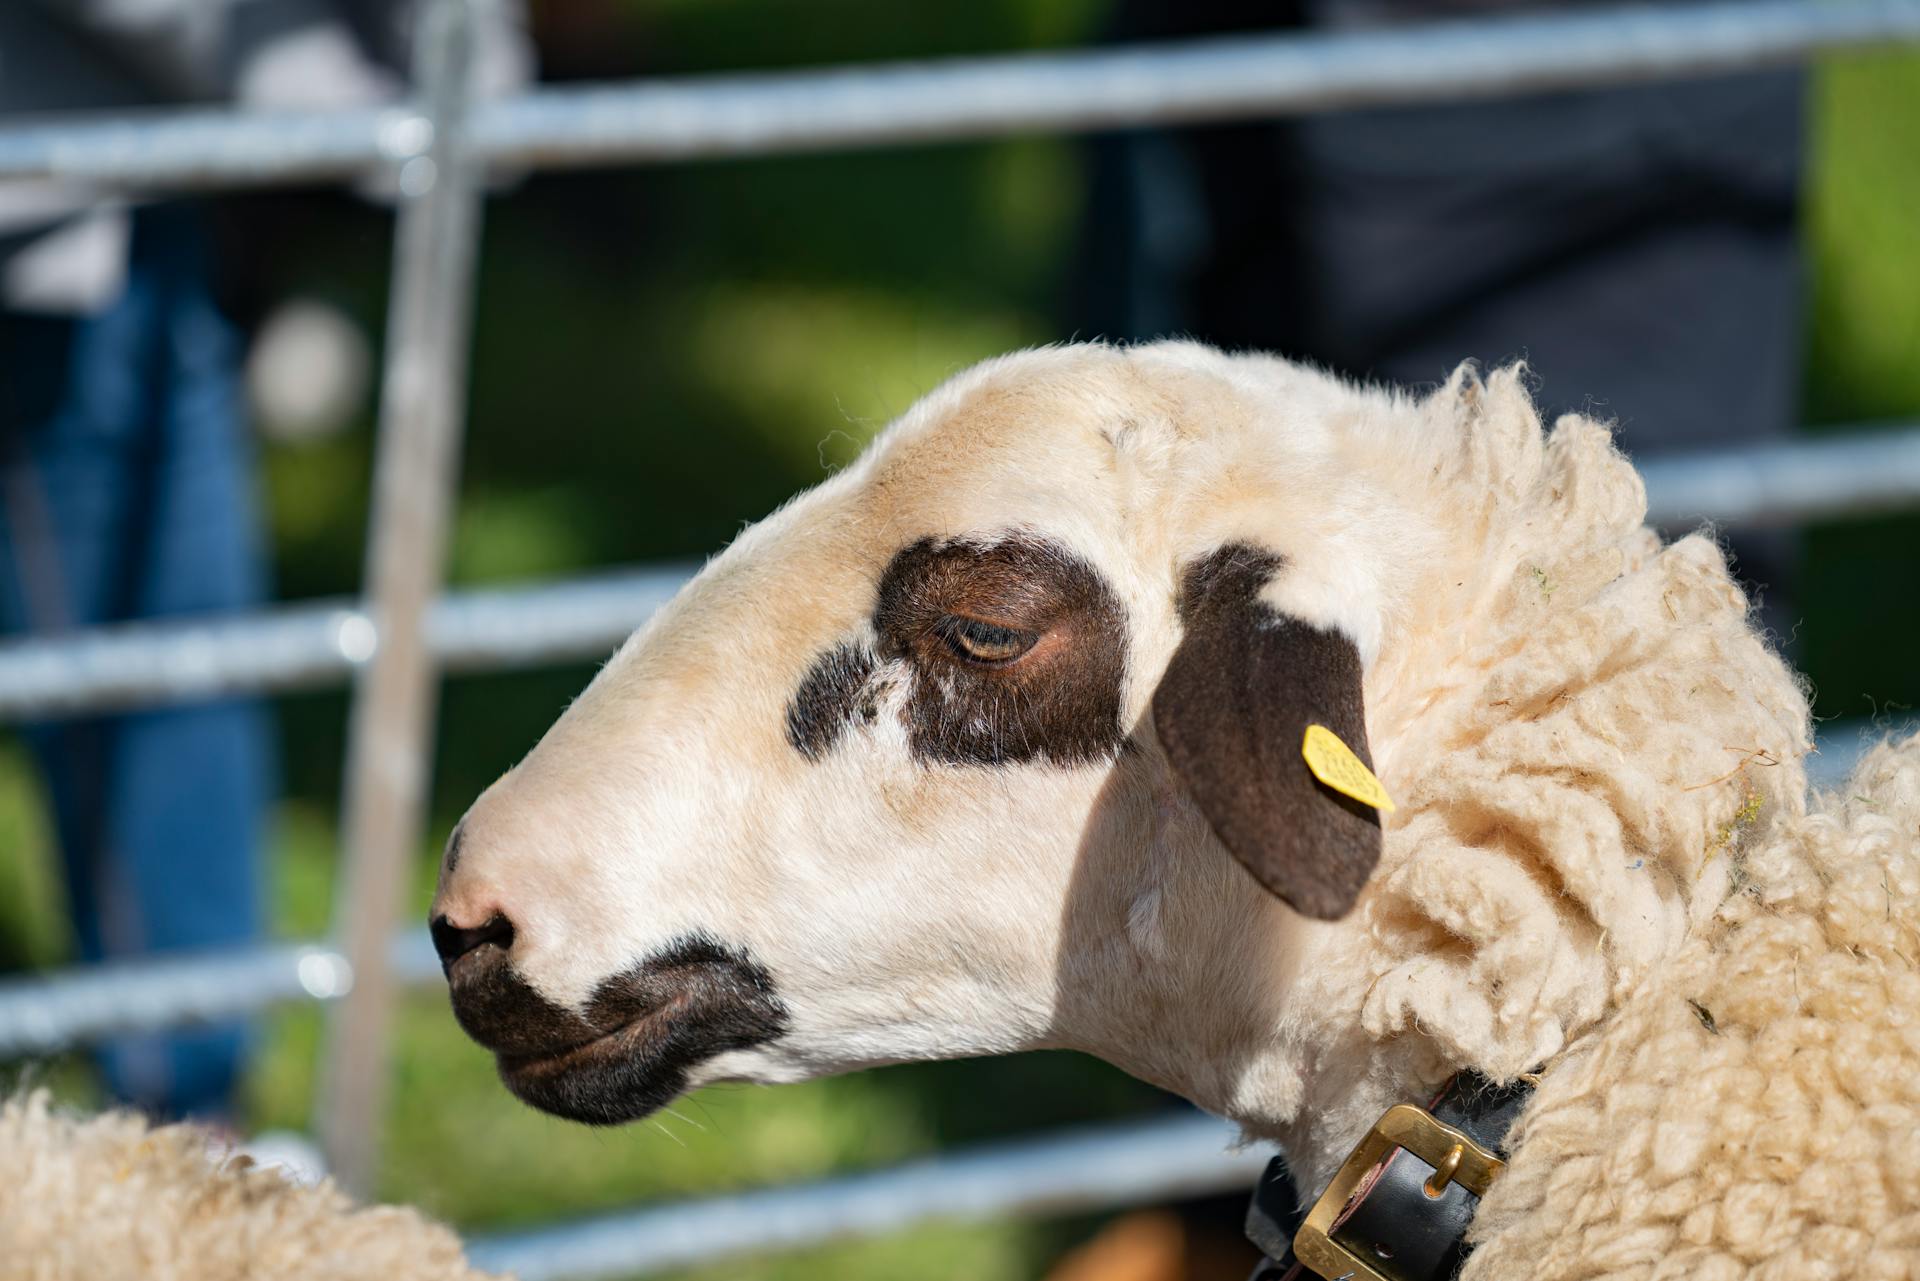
(452, 942)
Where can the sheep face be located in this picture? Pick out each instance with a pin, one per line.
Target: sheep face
(947, 757)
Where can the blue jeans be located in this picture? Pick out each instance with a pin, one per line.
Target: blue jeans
(126, 493)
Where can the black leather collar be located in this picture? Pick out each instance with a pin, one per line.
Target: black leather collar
(1391, 1221)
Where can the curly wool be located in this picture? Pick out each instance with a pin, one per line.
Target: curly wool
(1753, 1108)
(1583, 725)
(108, 1198)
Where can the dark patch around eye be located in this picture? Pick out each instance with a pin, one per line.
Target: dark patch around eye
(1059, 703)
(828, 698)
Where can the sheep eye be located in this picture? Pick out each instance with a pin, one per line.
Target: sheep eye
(979, 642)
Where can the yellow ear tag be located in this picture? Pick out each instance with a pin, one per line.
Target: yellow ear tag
(1334, 764)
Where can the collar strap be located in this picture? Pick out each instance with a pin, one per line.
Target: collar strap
(1398, 1209)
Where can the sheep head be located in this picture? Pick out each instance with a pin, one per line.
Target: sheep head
(992, 742)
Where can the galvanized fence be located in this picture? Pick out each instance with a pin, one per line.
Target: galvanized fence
(395, 642)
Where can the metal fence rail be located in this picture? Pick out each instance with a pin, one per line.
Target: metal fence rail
(1864, 473)
(320, 643)
(1191, 83)
(1092, 1169)
(846, 108)
(1860, 473)
(85, 1005)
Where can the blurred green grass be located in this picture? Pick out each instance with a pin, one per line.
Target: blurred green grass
(1861, 591)
(746, 330)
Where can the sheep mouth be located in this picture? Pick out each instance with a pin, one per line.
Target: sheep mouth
(617, 1076)
(643, 1031)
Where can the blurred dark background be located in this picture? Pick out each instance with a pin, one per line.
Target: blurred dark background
(662, 355)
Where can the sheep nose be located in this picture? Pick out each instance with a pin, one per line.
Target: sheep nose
(452, 942)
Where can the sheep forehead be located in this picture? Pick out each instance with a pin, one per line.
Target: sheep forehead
(1035, 444)
(1022, 441)
(1101, 449)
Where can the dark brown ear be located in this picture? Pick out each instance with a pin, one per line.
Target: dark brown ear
(1231, 711)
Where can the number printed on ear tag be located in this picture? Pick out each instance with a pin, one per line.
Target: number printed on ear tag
(1334, 764)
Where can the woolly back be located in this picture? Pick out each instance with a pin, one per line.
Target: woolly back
(108, 1198)
(1581, 726)
(1751, 1111)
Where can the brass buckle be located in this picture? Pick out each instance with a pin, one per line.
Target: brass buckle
(1454, 1157)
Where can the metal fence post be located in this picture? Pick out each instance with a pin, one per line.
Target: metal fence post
(421, 408)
